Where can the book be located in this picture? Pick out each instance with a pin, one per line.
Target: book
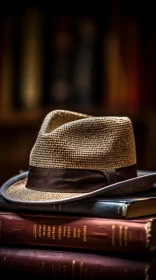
(29, 229)
(53, 264)
(134, 206)
(83, 78)
(31, 60)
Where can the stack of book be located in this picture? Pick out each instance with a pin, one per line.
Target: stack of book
(95, 238)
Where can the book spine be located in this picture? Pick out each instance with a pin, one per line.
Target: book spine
(74, 232)
(106, 209)
(68, 265)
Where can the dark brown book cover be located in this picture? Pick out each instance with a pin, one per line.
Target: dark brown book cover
(54, 264)
(78, 232)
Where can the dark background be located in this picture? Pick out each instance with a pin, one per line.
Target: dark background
(101, 64)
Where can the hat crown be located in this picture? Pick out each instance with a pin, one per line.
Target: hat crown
(77, 156)
(72, 140)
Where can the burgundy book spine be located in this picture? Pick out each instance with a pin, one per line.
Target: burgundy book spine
(69, 265)
(76, 232)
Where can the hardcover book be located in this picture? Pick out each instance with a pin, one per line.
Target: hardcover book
(116, 235)
(54, 264)
(134, 206)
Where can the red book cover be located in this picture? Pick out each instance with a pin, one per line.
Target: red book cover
(54, 264)
(78, 232)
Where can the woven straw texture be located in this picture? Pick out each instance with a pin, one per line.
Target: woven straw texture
(19, 191)
(72, 140)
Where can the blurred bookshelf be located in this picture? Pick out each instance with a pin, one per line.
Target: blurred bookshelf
(100, 65)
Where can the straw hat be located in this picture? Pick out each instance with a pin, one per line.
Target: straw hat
(77, 156)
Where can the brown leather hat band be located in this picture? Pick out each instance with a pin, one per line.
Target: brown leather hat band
(75, 180)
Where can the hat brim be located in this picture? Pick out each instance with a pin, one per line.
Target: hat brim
(15, 190)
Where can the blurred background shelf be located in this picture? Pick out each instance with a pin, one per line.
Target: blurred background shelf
(99, 65)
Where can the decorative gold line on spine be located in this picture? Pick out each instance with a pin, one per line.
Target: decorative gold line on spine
(40, 231)
(73, 269)
(53, 232)
(125, 236)
(123, 211)
(35, 231)
(49, 231)
(81, 267)
(120, 235)
(113, 235)
(84, 233)
(148, 229)
(147, 269)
